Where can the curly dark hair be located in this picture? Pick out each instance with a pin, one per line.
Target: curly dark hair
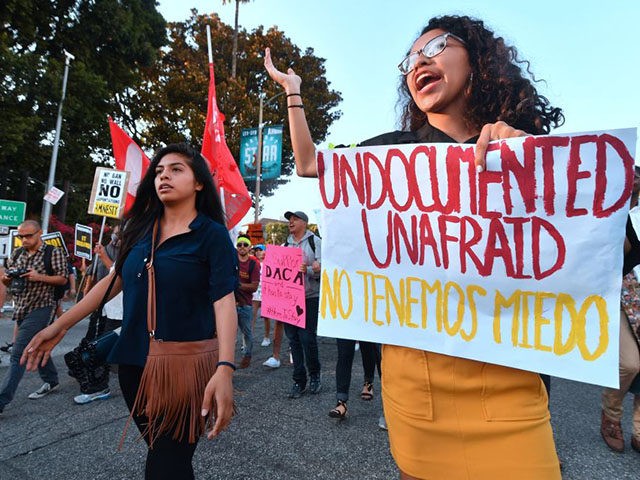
(500, 88)
(148, 207)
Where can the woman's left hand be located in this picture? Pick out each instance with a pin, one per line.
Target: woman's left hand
(219, 393)
(490, 132)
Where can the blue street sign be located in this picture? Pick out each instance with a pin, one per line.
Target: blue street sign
(271, 152)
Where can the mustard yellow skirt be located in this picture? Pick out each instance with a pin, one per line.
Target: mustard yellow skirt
(452, 418)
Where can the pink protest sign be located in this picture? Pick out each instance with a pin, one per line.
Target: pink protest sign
(282, 285)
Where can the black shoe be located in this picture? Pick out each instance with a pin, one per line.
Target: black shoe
(7, 347)
(297, 390)
(315, 385)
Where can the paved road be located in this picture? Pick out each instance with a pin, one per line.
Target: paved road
(271, 438)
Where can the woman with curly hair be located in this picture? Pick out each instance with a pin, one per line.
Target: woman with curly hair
(450, 417)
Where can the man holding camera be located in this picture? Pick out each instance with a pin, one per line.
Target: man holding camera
(33, 293)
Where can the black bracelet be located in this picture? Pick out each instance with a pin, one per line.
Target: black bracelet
(226, 364)
(293, 95)
(299, 105)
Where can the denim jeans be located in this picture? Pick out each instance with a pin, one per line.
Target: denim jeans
(244, 323)
(35, 321)
(304, 344)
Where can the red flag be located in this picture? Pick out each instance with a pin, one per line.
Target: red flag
(130, 157)
(224, 168)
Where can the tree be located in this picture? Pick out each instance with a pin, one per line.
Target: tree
(176, 103)
(234, 52)
(112, 42)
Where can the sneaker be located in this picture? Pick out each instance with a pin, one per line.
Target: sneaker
(43, 391)
(245, 362)
(6, 347)
(382, 423)
(272, 363)
(315, 385)
(90, 397)
(297, 390)
(265, 342)
(611, 432)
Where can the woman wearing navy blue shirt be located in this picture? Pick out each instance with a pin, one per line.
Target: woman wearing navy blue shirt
(196, 274)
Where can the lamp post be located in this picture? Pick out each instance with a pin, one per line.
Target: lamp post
(46, 207)
(259, 154)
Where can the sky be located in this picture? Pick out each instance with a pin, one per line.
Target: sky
(586, 52)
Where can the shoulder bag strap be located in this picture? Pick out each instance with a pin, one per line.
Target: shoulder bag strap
(151, 294)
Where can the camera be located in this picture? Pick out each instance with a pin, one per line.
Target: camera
(18, 284)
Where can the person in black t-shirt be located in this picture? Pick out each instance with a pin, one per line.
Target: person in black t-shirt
(460, 83)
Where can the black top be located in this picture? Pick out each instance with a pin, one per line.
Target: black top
(425, 134)
(192, 270)
(632, 258)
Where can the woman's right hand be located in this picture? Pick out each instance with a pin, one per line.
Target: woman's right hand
(38, 351)
(289, 81)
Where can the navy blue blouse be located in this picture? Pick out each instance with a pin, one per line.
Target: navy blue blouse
(193, 270)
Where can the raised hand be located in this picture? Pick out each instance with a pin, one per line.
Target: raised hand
(289, 81)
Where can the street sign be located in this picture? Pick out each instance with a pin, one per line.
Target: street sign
(12, 213)
(271, 152)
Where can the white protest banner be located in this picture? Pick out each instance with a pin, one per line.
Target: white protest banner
(282, 285)
(109, 192)
(520, 265)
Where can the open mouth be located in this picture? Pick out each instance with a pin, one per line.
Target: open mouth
(164, 187)
(425, 79)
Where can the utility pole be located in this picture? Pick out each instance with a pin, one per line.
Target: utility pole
(46, 207)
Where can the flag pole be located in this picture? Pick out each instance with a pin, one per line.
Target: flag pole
(210, 53)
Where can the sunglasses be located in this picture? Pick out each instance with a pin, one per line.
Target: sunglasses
(242, 244)
(434, 47)
(26, 235)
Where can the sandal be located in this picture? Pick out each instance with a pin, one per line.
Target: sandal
(340, 410)
(367, 391)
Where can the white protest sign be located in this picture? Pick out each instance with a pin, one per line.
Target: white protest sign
(520, 265)
(53, 195)
(109, 192)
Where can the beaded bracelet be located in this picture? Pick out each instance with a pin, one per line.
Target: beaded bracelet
(295, 106)
(293, 95)
(226, 364)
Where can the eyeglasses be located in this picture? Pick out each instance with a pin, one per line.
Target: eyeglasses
(242, 244)
(25, 235)
(434, 47)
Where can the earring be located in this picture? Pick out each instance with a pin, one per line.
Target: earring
(470, 84)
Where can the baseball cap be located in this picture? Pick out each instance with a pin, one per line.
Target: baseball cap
(301, 215)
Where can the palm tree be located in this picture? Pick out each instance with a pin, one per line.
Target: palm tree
(234, 54)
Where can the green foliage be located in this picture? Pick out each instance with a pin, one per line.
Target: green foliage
(277, 233)
(176, 99)
(151, 77)
(112, 41)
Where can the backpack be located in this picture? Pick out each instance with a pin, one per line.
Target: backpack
(58, 290)
(312, 243)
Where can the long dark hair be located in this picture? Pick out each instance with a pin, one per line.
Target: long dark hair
(148, 207)
(500, 88)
